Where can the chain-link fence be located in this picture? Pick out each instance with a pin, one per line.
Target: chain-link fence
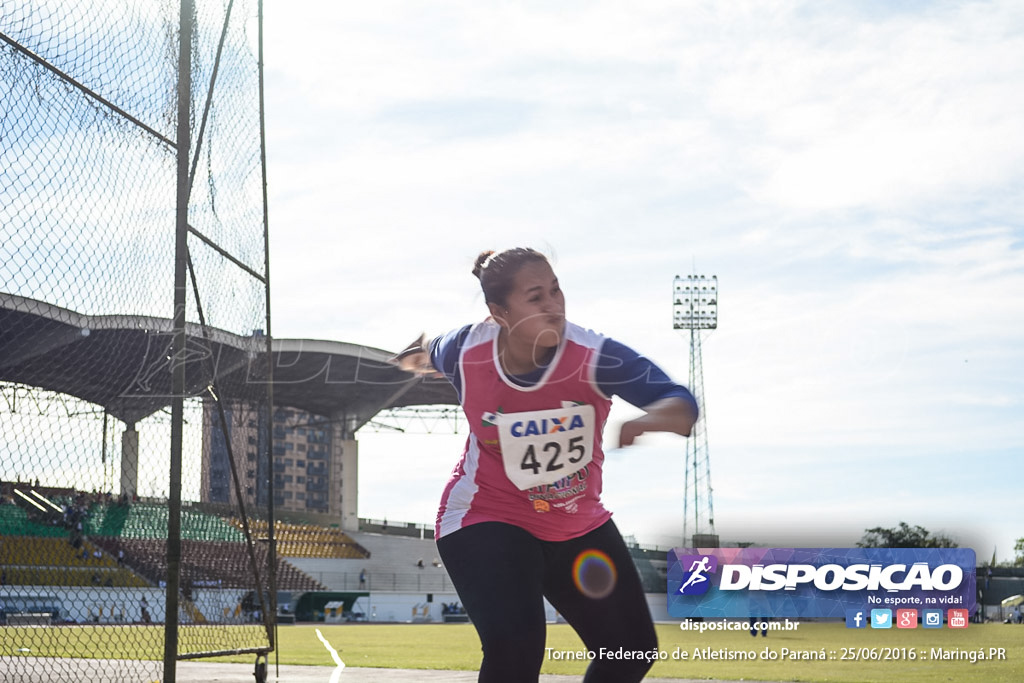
(112, 406)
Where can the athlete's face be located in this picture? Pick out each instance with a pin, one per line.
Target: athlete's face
(534, 312)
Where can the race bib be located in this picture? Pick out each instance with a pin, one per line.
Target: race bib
(540, 447)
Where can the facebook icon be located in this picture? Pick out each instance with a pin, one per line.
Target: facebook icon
(855, 619)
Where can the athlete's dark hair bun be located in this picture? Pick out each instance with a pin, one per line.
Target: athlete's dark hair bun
(497, 270)
(478, 265)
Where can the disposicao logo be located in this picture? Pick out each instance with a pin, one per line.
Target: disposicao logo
(696, 581)
(819, 582)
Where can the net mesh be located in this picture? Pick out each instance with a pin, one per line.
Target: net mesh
(88, 117)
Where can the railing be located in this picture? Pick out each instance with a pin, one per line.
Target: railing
(382, 526)
(414, 582)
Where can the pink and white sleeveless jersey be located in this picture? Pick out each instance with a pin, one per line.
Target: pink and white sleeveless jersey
(533, 457)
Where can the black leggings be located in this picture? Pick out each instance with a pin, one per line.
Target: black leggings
(502, 573)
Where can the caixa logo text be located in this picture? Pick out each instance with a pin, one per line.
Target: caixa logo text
(548, 425)
(830, 577)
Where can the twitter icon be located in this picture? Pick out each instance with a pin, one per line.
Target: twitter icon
(881, 618)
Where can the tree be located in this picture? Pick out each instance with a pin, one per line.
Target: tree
(904, 536)
(1018, 549)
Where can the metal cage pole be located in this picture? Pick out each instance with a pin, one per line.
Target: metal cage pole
(269, 441)
(184, 146)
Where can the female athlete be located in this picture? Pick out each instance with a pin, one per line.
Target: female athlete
(523, 504)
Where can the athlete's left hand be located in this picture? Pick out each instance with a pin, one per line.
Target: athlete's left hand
(667, 415)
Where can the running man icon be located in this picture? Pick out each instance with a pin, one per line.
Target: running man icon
(699, 568)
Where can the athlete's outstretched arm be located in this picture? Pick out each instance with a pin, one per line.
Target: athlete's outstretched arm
(670, 414)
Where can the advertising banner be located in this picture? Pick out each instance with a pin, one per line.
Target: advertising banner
(823, 582)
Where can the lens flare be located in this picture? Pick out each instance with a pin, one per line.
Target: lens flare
(594, 574)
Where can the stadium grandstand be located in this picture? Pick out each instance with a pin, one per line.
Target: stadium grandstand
(75, 539)
(61, 538)
(56, 541)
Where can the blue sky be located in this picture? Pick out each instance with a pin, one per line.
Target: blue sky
(851, 172)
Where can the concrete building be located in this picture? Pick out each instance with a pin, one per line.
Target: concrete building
(314, 461)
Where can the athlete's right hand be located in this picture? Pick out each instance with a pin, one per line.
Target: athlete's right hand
(415, 358)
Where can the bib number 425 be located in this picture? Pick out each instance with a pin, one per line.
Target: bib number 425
(552, 456)
(542, 446)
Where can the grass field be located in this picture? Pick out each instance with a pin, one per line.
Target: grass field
(908, 656)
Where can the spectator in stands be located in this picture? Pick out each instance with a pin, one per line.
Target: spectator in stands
(451, 608)
(362, 578)
(523, 503)
(144, 608)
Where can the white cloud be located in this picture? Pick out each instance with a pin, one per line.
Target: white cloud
(901, 110)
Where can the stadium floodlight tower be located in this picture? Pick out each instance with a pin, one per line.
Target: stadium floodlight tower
(695, 308)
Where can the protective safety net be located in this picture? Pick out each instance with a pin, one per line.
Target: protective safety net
(89, 199)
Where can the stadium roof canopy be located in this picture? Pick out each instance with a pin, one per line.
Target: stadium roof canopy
(122, 363)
